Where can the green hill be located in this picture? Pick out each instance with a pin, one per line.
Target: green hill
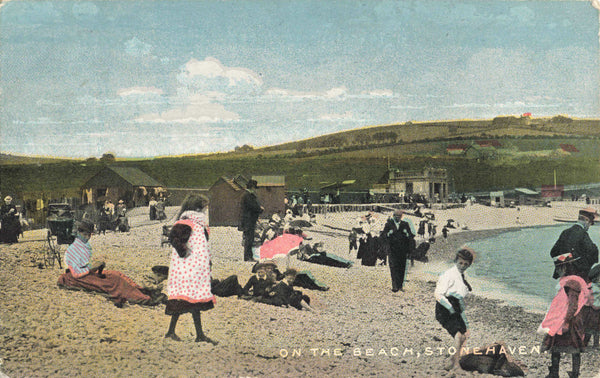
(504, 152)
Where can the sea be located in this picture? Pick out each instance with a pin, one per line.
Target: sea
(516, 267)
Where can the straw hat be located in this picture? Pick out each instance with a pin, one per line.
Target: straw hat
(7, 199)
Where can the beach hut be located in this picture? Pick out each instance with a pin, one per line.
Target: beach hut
(114, 183)
(271, 194)
(226, 196)
(497, 198)
(527, 196)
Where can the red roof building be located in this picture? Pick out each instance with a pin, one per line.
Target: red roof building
(568, 147)
(457, 148)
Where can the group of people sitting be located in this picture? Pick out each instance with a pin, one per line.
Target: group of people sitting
(268, 285)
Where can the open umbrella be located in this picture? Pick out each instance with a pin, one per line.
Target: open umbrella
(280, 246)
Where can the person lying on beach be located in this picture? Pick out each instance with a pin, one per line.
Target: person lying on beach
(283, 293)
(81, 274)
(450, 291)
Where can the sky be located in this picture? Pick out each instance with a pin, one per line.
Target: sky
(169, 77)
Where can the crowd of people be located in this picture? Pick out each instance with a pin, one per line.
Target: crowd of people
(571, 324)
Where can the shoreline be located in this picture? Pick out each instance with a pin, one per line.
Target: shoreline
(46, 331)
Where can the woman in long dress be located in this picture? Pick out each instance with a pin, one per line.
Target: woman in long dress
(189, 286)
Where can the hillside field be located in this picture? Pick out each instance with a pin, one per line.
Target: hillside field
(526, 154)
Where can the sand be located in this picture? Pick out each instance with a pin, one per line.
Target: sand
(360, 327)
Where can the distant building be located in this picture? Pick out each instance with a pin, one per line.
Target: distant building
(114, 183)
(526, 196)
(550, 192)
(497, 198)
(489, 143)
(568, 148)
(226, 196)
(481, 150)
(432, 183)
(457, 149)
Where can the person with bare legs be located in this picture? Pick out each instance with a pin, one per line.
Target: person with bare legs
(450, 291)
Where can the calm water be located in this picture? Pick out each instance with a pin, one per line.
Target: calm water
(516, 266)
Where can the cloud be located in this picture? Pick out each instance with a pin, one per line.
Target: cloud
(337, 117)
(199, 110)
(333, 93)
(210, 69)
(381, 93)
(139, 91)
(135, 47)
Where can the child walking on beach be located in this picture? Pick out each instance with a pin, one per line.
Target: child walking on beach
(189, 287)
(450, 291)
(563, 324)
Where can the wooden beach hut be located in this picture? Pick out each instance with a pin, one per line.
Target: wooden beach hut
(114, 183)
(226, 196)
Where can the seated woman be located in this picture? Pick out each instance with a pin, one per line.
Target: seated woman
(283, 293)
(259, 283)
(80, 274)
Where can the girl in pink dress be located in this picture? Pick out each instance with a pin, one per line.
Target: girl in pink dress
(189, 288)
(563, 324)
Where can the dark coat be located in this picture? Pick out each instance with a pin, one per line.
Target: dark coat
(400, 238)
(11, 226)
(577, 241)
(250, 210)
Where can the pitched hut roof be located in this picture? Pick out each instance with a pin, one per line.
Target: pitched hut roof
(131, 175)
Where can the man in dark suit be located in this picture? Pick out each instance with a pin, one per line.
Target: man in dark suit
(399, 236)
(251, 209)
(576, 241)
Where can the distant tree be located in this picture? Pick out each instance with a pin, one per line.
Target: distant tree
(108, 158)
(244, 148)
(561, 119)
(91, 160)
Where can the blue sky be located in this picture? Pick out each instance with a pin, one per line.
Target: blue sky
(153, 78)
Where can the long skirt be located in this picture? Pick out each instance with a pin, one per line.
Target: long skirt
(571, 341)
(179, 306)
(119, 287)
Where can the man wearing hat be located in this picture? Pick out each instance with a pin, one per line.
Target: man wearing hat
(399, 235)
(251, 209)
(575, 240)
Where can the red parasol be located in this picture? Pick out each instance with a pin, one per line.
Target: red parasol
(280, 246)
